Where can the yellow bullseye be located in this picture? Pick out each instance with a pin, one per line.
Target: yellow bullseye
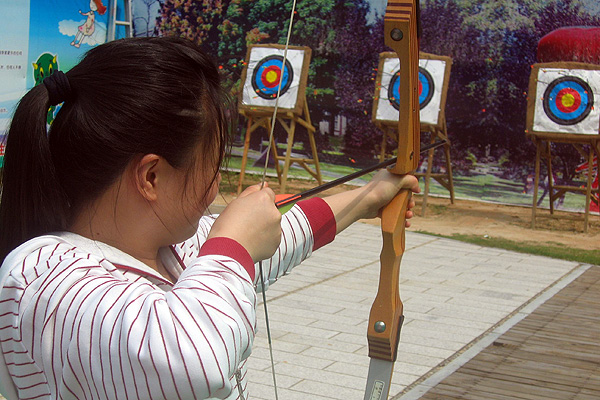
(568, 100)
(272, 76)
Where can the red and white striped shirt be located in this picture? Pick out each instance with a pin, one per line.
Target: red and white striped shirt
(82, 320)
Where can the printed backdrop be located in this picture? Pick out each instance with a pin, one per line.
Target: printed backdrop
(567, 101)
(37, 37)
(431, 79)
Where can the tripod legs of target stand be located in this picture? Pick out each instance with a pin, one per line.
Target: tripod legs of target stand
(555, 192)
(257, 121)
(443, 178)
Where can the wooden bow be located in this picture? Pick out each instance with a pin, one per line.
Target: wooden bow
(385, 319)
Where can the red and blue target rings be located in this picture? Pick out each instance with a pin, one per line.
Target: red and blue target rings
(426, 88)
(267, 74)
(568, 100)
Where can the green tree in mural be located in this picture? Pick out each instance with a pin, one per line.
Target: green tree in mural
(359, 46)
(195, 20)
(493, 44)
(487, 59)
(554, 15)
(227, 28)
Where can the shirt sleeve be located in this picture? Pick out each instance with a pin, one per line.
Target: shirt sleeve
(74, 327)
(307, 226)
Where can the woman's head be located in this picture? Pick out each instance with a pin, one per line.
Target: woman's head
(128, 98)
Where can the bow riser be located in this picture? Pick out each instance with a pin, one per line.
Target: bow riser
(400, 32)
(385, 319)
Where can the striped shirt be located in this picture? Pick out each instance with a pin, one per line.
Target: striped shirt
(82, 320)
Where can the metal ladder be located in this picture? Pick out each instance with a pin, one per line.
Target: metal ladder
(113, 23)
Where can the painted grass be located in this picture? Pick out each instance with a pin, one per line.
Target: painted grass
(482, 186)
(551, 249)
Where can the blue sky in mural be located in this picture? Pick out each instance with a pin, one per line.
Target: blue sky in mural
(53, 27)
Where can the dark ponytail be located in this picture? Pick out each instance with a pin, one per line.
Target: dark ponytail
(129, 97)
(32, 199)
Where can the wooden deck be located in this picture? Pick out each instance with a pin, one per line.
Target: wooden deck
(554, 353)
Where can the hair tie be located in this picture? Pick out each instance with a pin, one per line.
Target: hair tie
(58, 87)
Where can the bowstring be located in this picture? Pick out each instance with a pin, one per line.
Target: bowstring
(262, 184)
(275, 108)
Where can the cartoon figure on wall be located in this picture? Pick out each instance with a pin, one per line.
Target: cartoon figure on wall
(44, 66)
(89, 26)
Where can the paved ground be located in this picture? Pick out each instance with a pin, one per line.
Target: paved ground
(552, 354)
(458, 298)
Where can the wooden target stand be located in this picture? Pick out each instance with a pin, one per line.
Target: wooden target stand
(435, 128)
(587, 144)
(288, 116)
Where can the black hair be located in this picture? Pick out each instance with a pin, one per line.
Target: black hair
(130, 97)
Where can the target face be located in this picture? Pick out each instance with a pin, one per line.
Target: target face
(265, 71)
(268, 74)
(568, 100)
(426, 87)
(565, 101)
(431, 80)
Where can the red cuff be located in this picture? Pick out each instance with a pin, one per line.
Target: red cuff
(321, 219)
(228, 247)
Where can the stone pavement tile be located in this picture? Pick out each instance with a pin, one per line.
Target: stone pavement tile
(444, 342)
(264, 391)
(283, 381)
(446, 291)
(453, 292)
(284, 345)
(357, 339)
(354, 329)
(317, 301)
(302, 318)
(321, 375)
(430, 297)
(415, 360)
(330, 389)
(305, 305)
(491, 303)
(403, 366)
(333, 290)
(338, 356)
(297, 360)
(283, 314)
(316, 333)
(447, 322)
(496, 294)
(333, 343)
(435, 329)
(421, 349)
(469, 313)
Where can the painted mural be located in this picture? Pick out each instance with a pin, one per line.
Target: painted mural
(39, 37)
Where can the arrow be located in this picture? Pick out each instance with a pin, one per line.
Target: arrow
(286, 203)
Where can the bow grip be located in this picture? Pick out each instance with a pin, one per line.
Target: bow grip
(385, 318)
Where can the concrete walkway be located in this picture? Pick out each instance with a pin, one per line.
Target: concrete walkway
(457, 299)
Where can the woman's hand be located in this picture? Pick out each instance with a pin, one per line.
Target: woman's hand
(253, 221)
(367, 201)
(384, 187)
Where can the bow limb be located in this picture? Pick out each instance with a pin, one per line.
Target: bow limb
(385, 319)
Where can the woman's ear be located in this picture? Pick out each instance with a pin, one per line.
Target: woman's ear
(147, 175)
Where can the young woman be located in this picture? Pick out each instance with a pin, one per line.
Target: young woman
(113, 283)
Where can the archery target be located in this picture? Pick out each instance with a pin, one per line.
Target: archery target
(426, 87)
(566, 100)
(431, 80)
(268, 74)
(265, 72)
